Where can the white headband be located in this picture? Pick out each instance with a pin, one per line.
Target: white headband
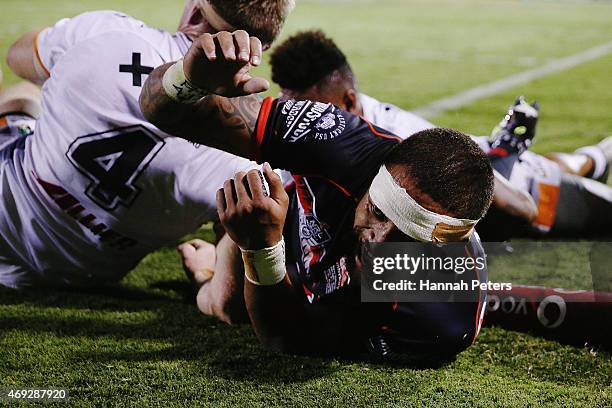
(412, 219)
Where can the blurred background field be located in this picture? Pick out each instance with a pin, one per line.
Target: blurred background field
(145, 343)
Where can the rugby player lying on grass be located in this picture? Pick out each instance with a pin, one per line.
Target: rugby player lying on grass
(551, 197)
(353, 183)
(95, 187)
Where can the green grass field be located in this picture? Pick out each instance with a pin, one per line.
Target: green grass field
(143, 343)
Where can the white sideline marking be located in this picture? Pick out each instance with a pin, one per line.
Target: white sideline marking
(472, 95)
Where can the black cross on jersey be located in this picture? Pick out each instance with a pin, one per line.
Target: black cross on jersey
(136, 69)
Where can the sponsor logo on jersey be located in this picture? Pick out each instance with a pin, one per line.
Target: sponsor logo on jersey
(329, 126)
(311, 231)
(300, 117)
(313, 234)
(288, 105)
(336, 276)
(327, 122)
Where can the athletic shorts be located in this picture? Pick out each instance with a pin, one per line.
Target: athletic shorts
(13, 126)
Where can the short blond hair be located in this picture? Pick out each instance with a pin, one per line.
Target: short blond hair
(263, 19)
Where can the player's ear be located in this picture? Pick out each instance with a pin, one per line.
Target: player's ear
(351, 101)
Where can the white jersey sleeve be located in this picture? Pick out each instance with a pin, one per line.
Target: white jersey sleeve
(389, 117)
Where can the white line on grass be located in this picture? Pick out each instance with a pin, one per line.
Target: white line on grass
(472, 95)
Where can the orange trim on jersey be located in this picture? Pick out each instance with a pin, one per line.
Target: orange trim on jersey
(479, 315)
(547, 205)
(379, 134)
(3, 122)
(38, 55)
(341, 188)
(262, 122)
(333, 183)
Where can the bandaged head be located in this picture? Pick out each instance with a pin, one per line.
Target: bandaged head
(411, 218)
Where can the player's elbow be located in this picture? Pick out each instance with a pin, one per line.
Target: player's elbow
(20, 55)
(152, 97)
(12, 58)
(146, 107)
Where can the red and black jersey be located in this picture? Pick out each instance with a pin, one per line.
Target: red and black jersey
(333, 156)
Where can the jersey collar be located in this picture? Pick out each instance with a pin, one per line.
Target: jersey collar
(183, 42)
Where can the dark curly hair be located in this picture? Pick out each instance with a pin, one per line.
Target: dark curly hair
(450, 168)
(306, 59)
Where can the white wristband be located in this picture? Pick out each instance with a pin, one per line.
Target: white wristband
(265, 267)
(179, 88)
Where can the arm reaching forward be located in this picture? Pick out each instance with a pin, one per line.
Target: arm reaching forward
(207, 98)
(24, 60)
(254, 219)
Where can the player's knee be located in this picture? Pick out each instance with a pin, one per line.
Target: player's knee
(23, 97)
(19, 105)
(11, 57)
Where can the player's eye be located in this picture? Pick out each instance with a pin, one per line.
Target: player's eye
(377, 213)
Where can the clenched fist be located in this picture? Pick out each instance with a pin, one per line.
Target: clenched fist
(221, 63)
(252, 218)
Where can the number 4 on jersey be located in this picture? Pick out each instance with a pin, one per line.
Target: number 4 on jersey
(113, 161)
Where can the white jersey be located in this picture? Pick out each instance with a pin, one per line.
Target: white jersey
(389, 117)
(534, 173)
(97, 187)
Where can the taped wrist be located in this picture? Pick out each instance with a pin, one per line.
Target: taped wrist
(265, 267)
(179, 88)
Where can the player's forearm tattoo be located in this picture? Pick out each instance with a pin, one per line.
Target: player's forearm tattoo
(223, 123)
(153, 97)
(240, 113)
(168, 115)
